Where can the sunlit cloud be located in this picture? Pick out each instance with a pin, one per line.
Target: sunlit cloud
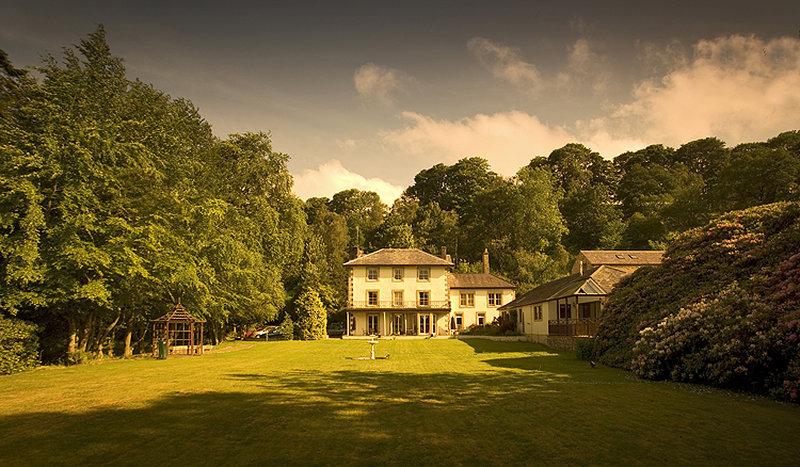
(331, 177)
(381, 84)
(506, 63)
(737, 88)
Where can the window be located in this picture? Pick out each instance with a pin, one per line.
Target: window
(424, 274)
(467, 299)
(397, 274)
(372, 298)
(424, 324)
(495, 299)
(397, 298)
(372, 324)
(564, 311)
(537, 313)
(521, 320)
(459, 320)
(481, 319)
(423, 298)
(372, 274)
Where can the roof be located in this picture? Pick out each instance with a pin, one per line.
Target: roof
(178, 313)
(477, 281)
(619, 257)
(399, 257)
(597, 280)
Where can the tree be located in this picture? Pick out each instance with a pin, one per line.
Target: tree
(758, 174)
(311, 316)
(363, 211)
(588, 182)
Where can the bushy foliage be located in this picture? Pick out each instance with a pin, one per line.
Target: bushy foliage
(504, 325)
(312, 319)
(584, 348)
(286, 328)
(722, 309)
(19, 346)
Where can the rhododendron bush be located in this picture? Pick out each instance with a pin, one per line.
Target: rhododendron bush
(723, 308)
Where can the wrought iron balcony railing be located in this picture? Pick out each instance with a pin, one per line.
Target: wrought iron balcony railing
(381, 304)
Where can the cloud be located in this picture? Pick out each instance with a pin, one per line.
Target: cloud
(331, 177)
(737, 88)
(505, 63)
(507, 139)
(585, 66)
(377, 83)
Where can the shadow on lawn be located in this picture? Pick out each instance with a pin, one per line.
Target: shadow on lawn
(299, 417)
(371, 416)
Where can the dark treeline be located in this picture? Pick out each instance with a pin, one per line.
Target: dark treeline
(117, 201)
(573, 199)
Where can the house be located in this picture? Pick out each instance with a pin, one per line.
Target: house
(406, 291)
(571, 306)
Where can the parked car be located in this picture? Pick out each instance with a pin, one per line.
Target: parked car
(264, 333)
(336, 330)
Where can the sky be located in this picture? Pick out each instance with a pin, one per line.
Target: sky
(366, 94)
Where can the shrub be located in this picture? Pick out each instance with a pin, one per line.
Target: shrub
(722, 309)
(584, 348)
(286, 328)
(19, 346)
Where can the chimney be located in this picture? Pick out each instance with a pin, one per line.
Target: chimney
(358, 253)
(486, 261)
(443, 252)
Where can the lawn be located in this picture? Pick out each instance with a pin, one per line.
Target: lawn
(433, 401)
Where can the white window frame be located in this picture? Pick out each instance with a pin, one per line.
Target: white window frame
(395, 302)
(377, 297)
(427, 274)
(427, 298)
(495, 299)
(480, 319)
(470, 300)
(377, 273)
(395, 275)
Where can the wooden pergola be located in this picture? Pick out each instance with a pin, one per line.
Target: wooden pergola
(182, 332)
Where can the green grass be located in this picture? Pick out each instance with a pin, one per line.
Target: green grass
(434, 401)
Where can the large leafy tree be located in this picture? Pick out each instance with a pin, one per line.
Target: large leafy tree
(588, 207)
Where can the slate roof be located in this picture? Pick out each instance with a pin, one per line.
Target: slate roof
(596, 280)
(399, 257)
(477, 281)
(623, 257)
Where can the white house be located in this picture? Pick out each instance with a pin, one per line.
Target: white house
(406, 291)
(572, 305)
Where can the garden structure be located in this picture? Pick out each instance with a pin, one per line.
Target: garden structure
(181, 332)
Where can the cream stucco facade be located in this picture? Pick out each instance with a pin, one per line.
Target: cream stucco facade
(408, 292)
(476, 305)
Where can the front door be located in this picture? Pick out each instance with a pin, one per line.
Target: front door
(424, 324)
(372, 324)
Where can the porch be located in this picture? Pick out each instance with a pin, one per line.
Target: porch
(392, 322)
(572, 327)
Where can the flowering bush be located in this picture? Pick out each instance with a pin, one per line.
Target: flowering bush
(723, 308)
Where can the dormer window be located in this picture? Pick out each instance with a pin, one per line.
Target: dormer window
(372, 274)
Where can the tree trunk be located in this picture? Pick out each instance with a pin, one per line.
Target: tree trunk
(128, 335)
(72, 344)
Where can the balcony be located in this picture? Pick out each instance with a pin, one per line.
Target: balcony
(406, 305)
(573, 327)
